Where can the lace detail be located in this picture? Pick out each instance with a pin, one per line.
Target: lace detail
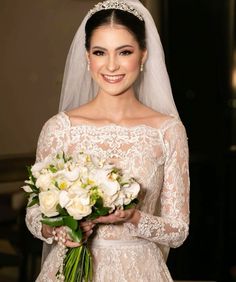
(158, 159)
(33, 222)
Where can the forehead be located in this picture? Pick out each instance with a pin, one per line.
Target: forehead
(112, 35)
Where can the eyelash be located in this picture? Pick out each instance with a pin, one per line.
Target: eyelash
(98, 53)
(122, 53)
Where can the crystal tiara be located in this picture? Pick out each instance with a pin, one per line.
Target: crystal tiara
(115, 4)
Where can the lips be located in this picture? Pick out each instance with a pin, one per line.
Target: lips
(113, 78)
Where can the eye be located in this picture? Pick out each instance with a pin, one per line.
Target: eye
(98, 53)
(126, 53)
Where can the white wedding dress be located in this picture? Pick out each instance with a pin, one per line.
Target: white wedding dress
(158, 159)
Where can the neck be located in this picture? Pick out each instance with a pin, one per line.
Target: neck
(115, 108)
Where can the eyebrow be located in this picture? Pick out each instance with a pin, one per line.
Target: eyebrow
(117, 49)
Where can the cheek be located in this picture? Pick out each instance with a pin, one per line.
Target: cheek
(132, 64)
(95, 65)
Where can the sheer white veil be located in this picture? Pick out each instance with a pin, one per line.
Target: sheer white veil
(152, 87)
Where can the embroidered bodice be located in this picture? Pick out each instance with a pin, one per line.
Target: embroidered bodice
(156, 157)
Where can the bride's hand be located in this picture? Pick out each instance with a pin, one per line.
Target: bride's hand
(87, 229)
(120, 216)
(86, 226)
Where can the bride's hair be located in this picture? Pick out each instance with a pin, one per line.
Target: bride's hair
(112, 16)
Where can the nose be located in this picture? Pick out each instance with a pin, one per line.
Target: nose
(112, 63)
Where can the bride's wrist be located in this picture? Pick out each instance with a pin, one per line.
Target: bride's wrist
(134, 219)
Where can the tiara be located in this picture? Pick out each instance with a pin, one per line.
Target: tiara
(115, 4)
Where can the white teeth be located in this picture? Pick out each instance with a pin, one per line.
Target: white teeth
(113, 77)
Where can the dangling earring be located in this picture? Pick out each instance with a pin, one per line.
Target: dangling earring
(88, 66)
(141, 68)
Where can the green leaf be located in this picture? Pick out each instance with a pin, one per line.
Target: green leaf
(76, 235)
(31, 177)
(34, 188)
(61, 210)
(92, 216)
(103, 211)
(52, 168)
(131, 205)
(34, 201)
(70, 222)
(99, 203)
(53, 221)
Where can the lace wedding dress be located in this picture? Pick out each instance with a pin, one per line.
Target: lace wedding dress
(158, 159)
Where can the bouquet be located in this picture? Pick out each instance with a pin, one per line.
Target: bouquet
(70, 189)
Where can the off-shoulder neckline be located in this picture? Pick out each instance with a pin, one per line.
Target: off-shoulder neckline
(119, 126)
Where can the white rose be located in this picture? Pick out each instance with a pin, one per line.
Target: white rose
(48, 201)
(44, 182)
(79, 207)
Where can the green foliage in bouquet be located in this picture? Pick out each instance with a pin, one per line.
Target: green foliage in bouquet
(59, 185)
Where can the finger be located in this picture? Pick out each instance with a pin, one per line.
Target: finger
(87, 234)
(86, 223)
(87, 228)
(120, 213)
(71, 244)
(108, 219)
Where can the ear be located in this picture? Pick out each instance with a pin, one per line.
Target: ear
(144, 56)
(87, 56)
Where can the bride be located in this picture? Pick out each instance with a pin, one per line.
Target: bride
(116, 103)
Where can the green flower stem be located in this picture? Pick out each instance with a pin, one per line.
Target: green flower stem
(78, 265)
(70, 262)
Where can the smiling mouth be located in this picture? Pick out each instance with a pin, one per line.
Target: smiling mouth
(113, 78)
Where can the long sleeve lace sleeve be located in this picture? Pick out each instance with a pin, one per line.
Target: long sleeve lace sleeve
(170, 227)
(52, 139)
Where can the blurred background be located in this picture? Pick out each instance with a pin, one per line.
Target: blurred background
(199, 41)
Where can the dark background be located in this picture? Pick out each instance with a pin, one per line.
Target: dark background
(198, 38)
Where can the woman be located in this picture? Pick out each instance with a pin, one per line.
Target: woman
(117, 104)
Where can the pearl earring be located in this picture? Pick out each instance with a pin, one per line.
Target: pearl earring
(141, 68)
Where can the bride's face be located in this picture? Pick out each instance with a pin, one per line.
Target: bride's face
(115, 59)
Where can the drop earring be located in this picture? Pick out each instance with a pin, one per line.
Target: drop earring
(88, 66)
(141, 68)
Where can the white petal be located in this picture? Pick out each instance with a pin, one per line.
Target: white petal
(64, 198)
(27, 189)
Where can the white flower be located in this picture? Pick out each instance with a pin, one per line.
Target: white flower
(64, 198)
(131, 192)
(71, 175)
(120, 200)
(79, 206)
(27, 188)
(37, 167)
(48, 201)
(110, 187)
(44, 181)
(110, 201)
(62, 183)
(101, 177)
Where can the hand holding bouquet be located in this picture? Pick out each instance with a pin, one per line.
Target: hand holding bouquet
(70, 190)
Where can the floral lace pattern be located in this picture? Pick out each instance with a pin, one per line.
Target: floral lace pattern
(158, 159)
